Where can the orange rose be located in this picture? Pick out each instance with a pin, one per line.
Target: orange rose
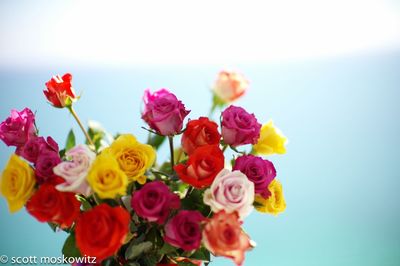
(223, 236)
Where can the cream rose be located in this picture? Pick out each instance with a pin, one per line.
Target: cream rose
(75, 171)
(229, 86)
(230, 191)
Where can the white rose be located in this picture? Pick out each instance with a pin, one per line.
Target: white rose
(75, 171)
(230, 191)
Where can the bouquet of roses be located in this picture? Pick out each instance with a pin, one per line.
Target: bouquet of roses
(120, 207)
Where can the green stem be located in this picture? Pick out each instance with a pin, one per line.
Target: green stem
(189, 191)
(213, 107)
(224, 148)
(75, 115)
(159, 172)
(171, 149)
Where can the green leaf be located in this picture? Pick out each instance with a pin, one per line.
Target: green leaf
(53, 226)
(135, 250)
(218, 102)
(201, 254)
(194, 201)
(70, 143)
(168, 249)
(148, 261)
(166, 167)
(154, 236)
(61, 153)
(156, 140)
(85, 203)
(97, 134)
(70, 249)
(257, 204)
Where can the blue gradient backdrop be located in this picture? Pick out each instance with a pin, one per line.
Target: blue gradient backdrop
(340, 174)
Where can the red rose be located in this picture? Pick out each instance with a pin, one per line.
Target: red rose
(199, 133)
(101, 231)
(59, 91)
(202, 167)
(50, 205)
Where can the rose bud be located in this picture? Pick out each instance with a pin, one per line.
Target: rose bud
(59, 91)
(230, 86)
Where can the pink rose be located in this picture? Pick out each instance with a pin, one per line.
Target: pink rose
(183, 230)
(18, 128)
(154, 202)
(75, 171)
(230, 191)
(163, 112)
(259, 171)
(239, 127)
(229, 86)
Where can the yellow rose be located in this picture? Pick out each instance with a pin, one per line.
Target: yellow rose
(275, 203)
(17, 183)
(133, 157)
(106, 178)
(271, 140)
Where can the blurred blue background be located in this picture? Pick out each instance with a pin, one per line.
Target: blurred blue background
(339, 110)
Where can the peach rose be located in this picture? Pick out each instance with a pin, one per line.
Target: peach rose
(229, 86)
(223, 236)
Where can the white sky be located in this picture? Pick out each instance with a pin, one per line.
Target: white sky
(193, 32)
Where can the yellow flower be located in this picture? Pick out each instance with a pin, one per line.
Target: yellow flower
(271, 140)
(106, 178)
(275, 203)
(133, 157)
(17, 183)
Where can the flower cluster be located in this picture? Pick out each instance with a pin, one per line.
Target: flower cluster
(121, 206)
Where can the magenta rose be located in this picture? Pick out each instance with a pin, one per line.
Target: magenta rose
(47, 159)
(163, 112)
(34, 146)
(18, 128)
(259, 171)
(184, 231)
(239, 127)
(154, 202)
